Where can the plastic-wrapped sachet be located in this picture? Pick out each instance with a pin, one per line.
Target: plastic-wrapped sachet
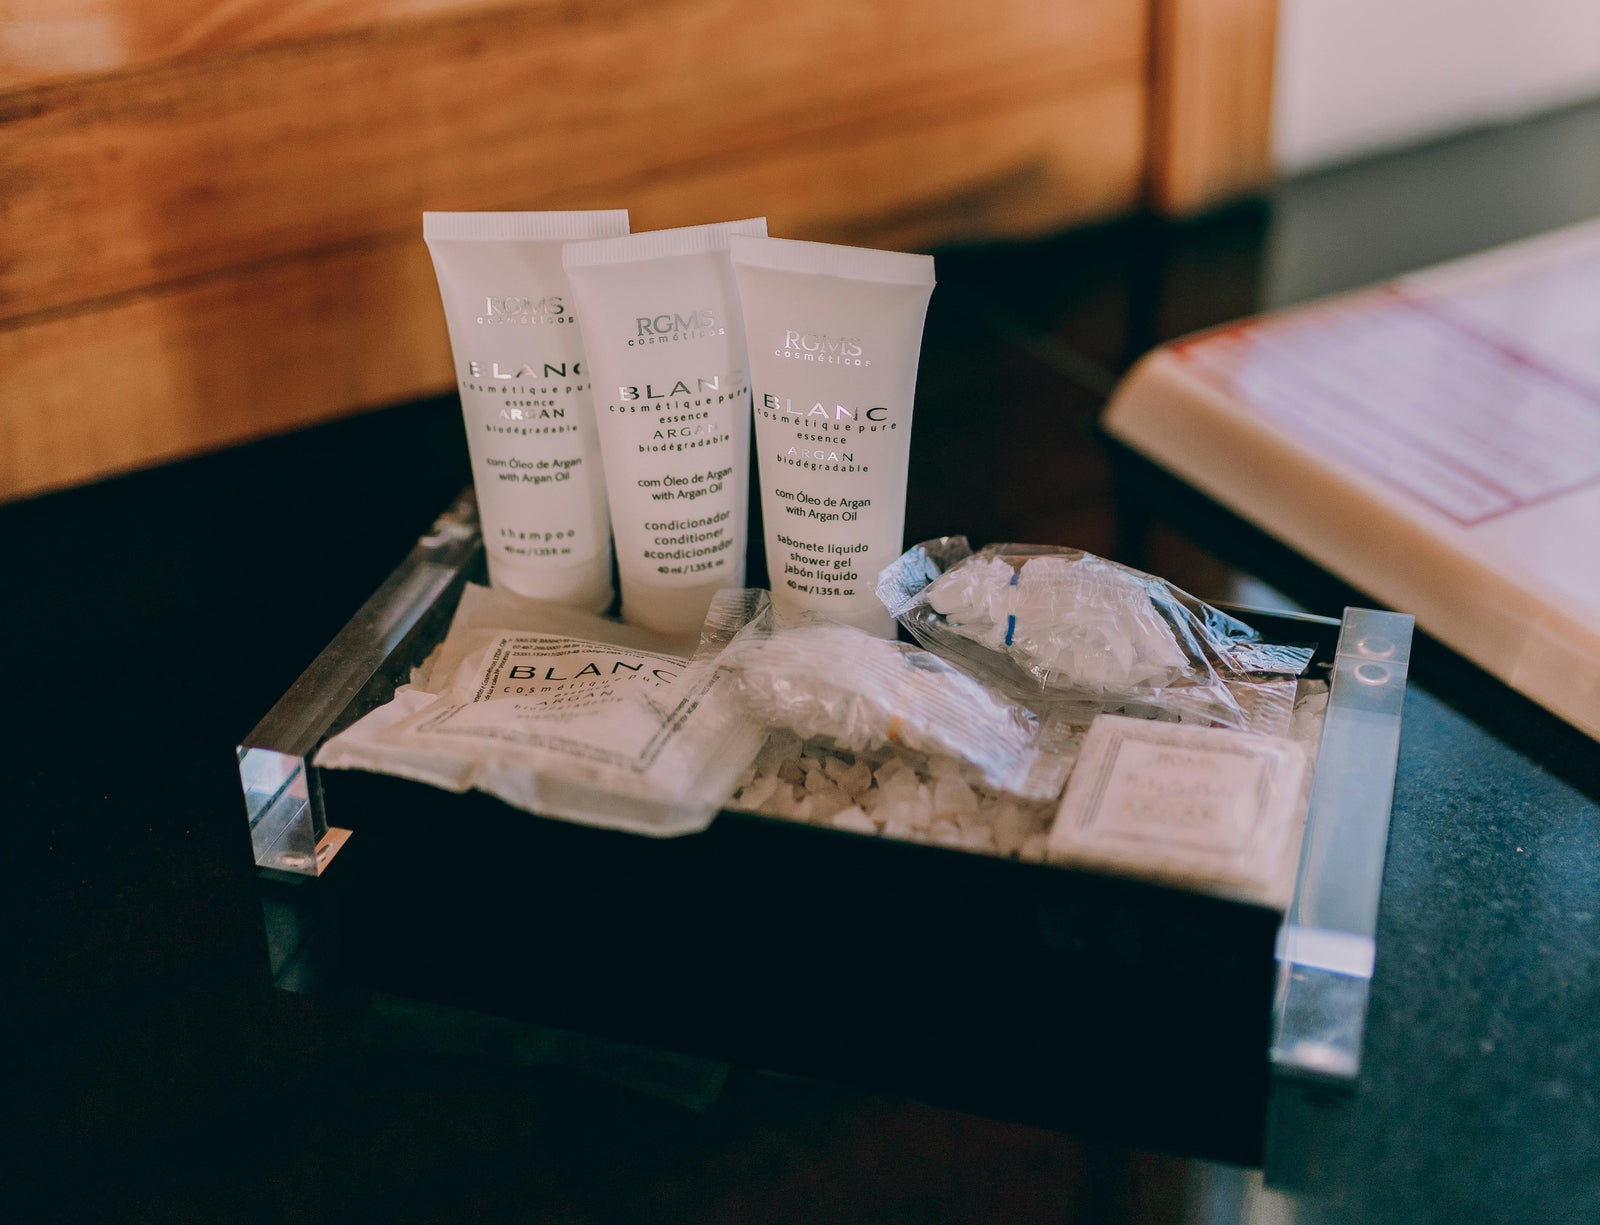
(1055, 625)
(855, 691)
(568, 715)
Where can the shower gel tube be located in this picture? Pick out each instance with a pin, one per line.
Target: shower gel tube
(833, 334)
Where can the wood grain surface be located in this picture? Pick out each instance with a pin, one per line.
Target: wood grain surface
(121, 183)
(1211, 101)
(42, 41)
(188, 369)
(173, 370)
(211, 209)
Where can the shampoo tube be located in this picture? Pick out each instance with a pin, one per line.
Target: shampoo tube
(834, 334)
(525, 395)
(672, 400)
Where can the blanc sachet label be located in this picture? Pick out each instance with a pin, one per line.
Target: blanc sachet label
(563, 695)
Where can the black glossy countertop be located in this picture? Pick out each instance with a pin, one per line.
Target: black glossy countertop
(156, 1074)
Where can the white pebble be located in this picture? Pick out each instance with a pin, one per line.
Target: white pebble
(759, 790)
(780, 746)
(907, 796)
(826, 802)
(1007, 816)
(855, 779)
(900, 787)
(889, 769)
(977, 838)
(953, 798)
(1007, 844)
(1011, 827)
(899, 812)
(786, 804)
(854, 818)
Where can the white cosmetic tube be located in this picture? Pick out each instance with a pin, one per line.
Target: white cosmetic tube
(672, 400)
(525, 395)
(834, 334)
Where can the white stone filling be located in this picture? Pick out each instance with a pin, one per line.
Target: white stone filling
(917, 798)
(896, 793)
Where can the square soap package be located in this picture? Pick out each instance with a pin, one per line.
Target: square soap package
(1192, 805)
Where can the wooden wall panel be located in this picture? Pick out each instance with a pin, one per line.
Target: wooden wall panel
(214, 234)
(116, 184)
(188, 369)
(1211, 103)
(174, 370)
(50, 40)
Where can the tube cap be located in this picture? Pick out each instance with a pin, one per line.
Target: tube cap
(586, 585)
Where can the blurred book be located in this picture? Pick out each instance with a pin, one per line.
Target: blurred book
(1434, 441)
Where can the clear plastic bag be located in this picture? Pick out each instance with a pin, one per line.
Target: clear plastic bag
(1057, 628)
(568, 715)
(844, 687)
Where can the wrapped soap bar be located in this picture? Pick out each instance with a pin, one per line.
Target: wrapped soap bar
(1195, 805)
(1061, 625)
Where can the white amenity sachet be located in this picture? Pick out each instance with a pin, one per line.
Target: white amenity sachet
(525, 397)
(825, 681)
(1050, 626)
(568, 715)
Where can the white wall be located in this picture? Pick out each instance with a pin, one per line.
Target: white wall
(1356, 76)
